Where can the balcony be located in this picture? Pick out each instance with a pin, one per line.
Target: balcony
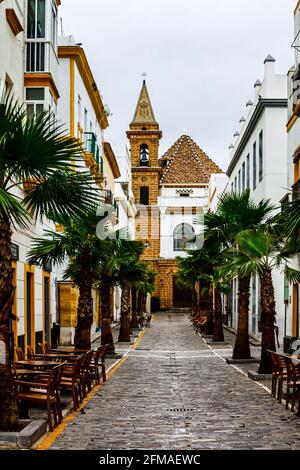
(296, 191)
(91, 147)
(296, 91)
(41, 57)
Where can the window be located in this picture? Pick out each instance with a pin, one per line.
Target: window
(243, 177)
(184, 195)
(36, 19)
(183, 236)
(8, 86)
(54, 24)
(261, 156)
(35, 98)
(144, 155)
(232, 190)
(239, 182)
(79, 109)
(35, 94)
(254, 166)
(85, 120)
(248, 172)
(144, 195)
(235, 184)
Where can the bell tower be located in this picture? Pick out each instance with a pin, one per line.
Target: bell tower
(144, 136)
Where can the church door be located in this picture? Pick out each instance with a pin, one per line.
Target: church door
(182, 296)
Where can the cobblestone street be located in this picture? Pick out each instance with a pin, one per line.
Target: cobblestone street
(174, 392)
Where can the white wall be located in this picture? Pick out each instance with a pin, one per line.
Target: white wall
(12, 48)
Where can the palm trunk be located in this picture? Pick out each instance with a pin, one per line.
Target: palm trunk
(140, 306)
(210, 318)
(218, 320)
(124, 335)
(242, 346)
(194, 300)
(8, 404)
(106, 314)
(268, 320)
(134, 319)
(84, 311)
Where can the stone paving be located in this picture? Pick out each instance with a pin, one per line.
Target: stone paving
(175, 393)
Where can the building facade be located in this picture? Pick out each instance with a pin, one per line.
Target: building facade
(28, 72)
(258, 163)
(51, 73)
(171, 193)
(292, 293)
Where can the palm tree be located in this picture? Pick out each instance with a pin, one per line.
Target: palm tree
(107, 277)
(238, 212)
(259, 252)
(219, 286)
(37, 180)
(130, 270)
(79, 245)
(188, 276)
(144, 287)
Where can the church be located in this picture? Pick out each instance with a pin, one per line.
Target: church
(171, 194)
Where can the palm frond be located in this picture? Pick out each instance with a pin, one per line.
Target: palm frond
(12, 209)
(293, 275)
(66, 193)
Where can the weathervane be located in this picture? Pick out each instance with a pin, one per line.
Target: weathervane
(144, 75)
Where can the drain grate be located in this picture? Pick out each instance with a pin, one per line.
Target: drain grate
(181, 410)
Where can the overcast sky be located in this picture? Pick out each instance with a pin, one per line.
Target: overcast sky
(202, 59)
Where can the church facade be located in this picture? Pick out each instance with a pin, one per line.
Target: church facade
(171, 194)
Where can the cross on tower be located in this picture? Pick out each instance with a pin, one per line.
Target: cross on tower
(144, 75)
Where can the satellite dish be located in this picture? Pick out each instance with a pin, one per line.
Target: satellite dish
(107, 110)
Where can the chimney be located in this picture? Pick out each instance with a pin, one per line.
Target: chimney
(269, 66)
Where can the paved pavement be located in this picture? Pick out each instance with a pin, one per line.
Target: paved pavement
(176, 393)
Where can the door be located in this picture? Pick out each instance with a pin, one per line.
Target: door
(47, 309)
(182, 296)
(29, 306)
(296, 310)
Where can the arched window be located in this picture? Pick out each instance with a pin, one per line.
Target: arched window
(183, 235)
(144, 155)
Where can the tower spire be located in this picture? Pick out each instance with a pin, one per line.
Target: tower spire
(144, 111)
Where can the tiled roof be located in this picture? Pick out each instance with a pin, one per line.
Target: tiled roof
(188, 164)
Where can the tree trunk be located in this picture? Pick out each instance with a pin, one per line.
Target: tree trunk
(218, 320)
(194, 300)
(134, 319)
(124, 335)
(106, 314)
(242, 347)
(140, 306)
(8, 404)
(210, 318)
(85, 310)
(268, 320)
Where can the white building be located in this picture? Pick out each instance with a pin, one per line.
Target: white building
(216, 188)
(258, 163)
(28, 69)
(48, 73)
(12, 25)
(293, 128)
